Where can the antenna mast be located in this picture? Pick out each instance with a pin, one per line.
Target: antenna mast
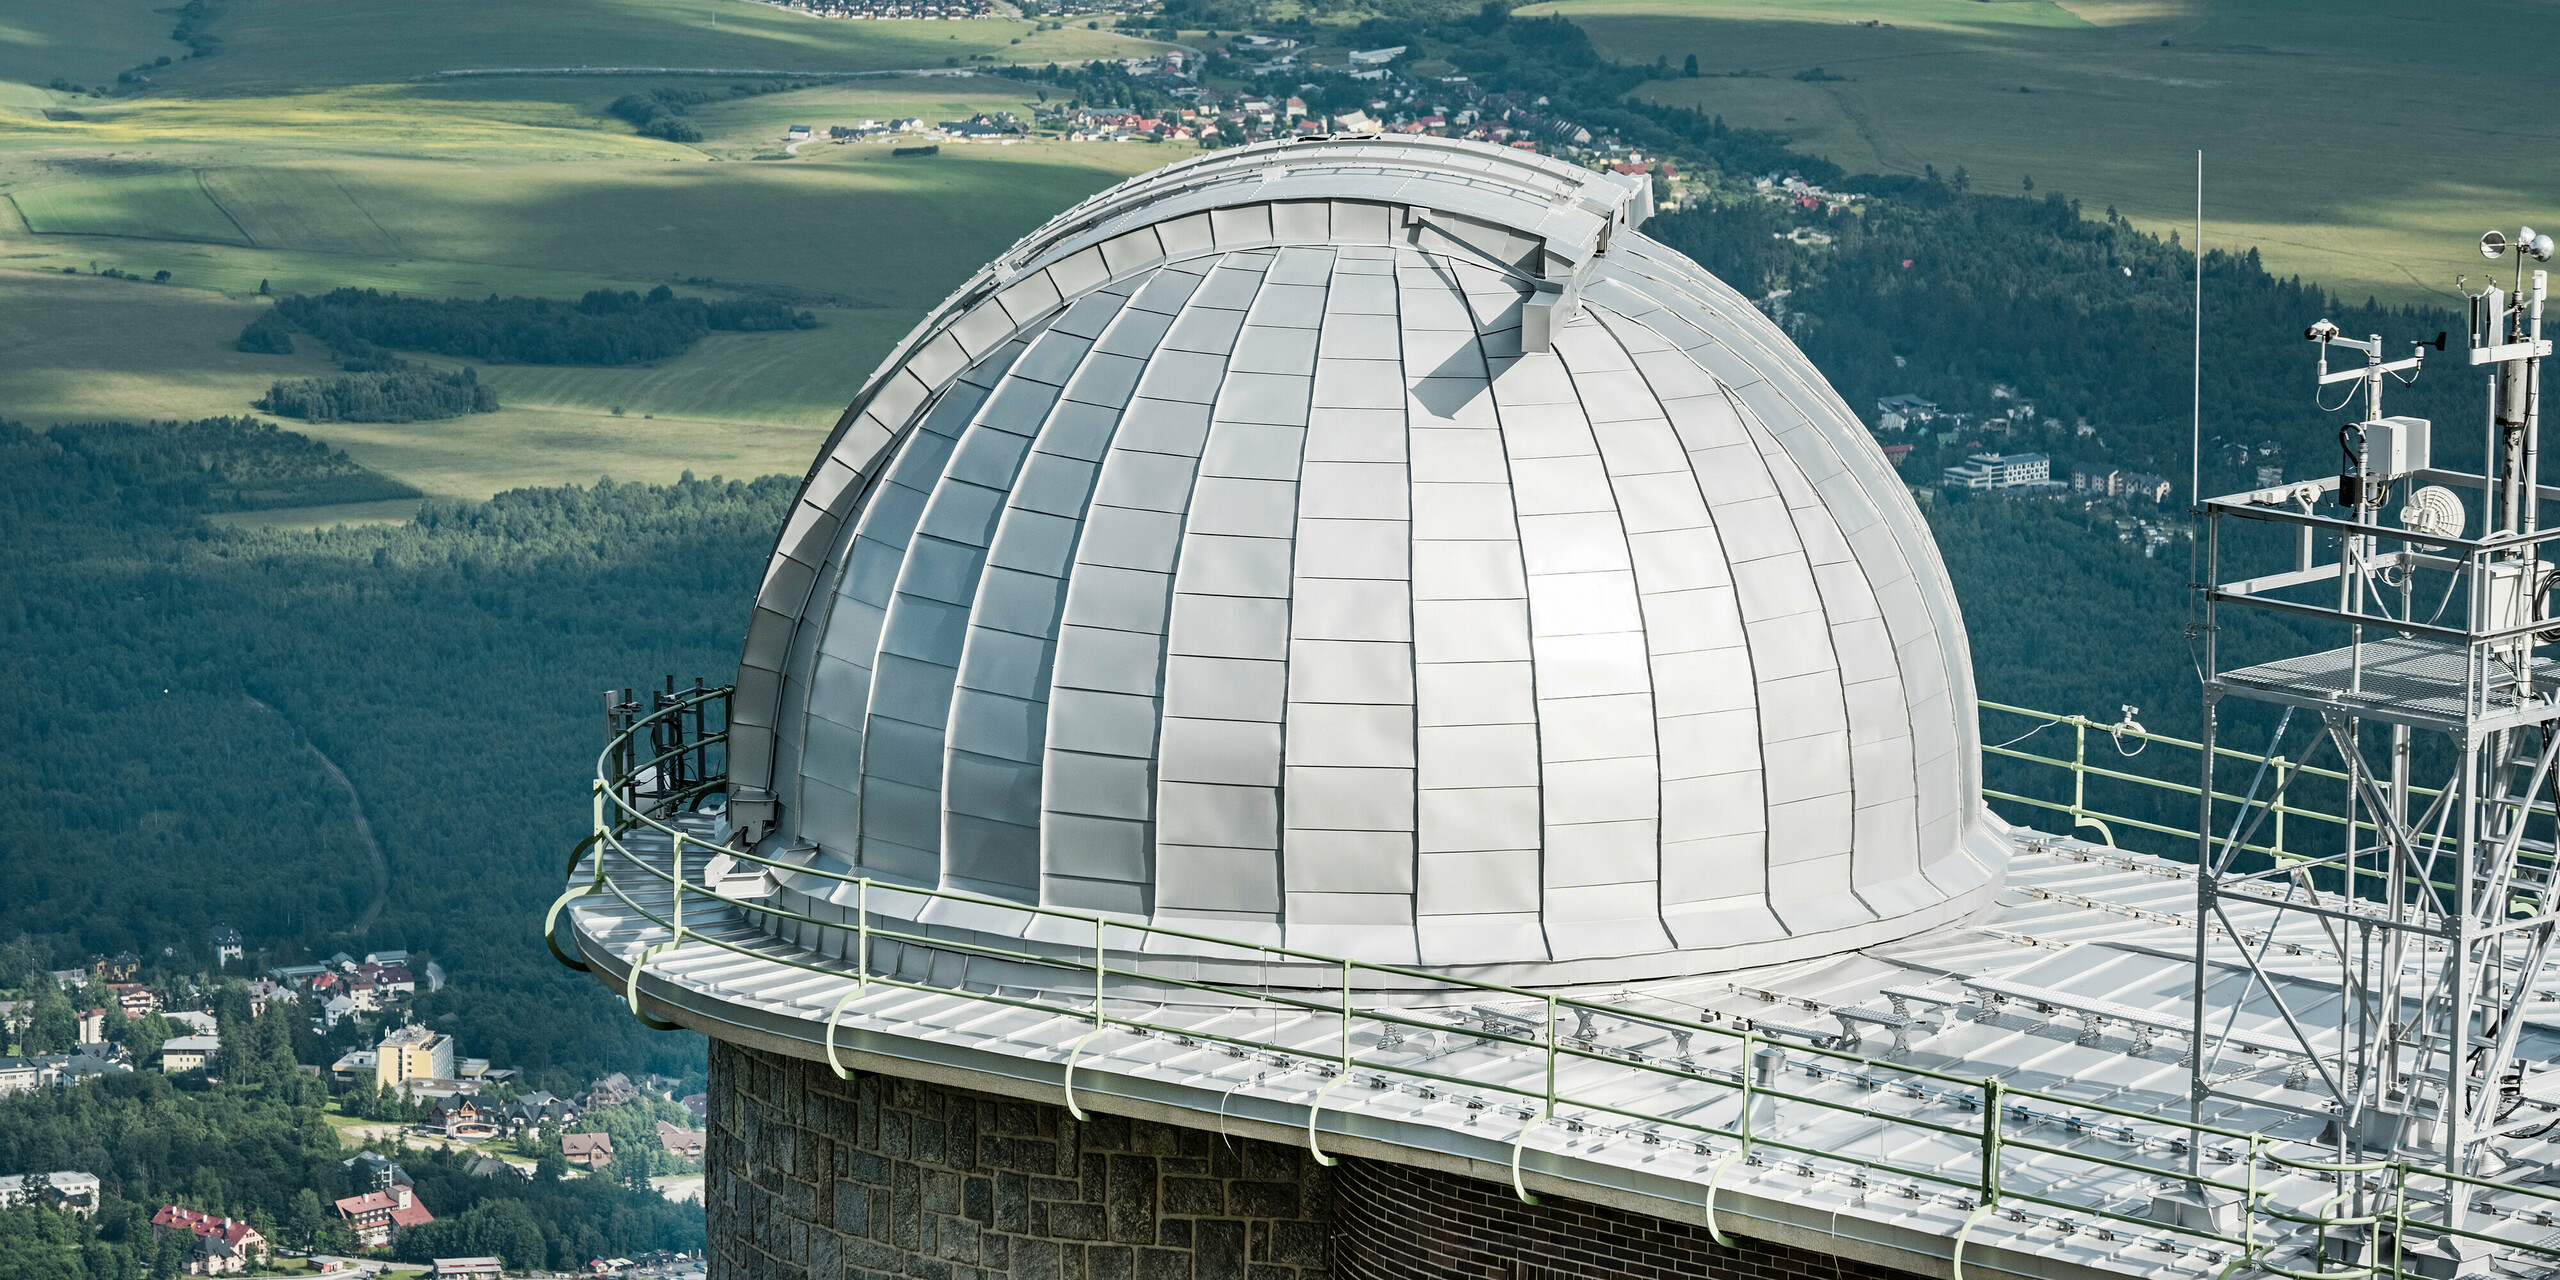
(2438, 903)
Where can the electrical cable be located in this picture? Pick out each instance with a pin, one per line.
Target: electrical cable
(2024, 736)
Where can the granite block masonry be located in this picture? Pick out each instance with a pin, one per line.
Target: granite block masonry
(816, 1178)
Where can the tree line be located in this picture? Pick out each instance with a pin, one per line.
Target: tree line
(605, 327)
(405, 395)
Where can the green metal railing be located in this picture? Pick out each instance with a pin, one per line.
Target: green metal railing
(2034, 1147)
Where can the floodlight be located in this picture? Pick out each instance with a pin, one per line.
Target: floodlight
(2493, 246)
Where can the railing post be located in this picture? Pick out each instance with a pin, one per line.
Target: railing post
(1989, 1177)
(862, 933)
(1346, 1017)
(1551, 1055)
(2079, 769)
(1991, 1090)
(2277, 802)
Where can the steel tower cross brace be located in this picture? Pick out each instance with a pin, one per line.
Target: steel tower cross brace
(2400, 961)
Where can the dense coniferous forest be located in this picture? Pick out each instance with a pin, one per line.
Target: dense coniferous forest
(603, 328)
(399, 395)
(179, 683)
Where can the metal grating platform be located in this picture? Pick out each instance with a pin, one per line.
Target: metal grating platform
(2420, 683)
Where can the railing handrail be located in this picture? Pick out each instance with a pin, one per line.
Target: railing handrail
(617, 813)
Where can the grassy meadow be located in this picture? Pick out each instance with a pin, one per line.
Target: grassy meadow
(261, 166)
(2358, 143)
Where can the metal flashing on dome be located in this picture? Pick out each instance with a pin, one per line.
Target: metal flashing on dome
(1382, 547)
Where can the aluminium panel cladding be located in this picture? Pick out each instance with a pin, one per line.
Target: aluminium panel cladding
(1235, 567)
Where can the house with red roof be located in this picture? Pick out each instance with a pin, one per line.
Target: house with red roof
(378, 1217)
(222, 1246)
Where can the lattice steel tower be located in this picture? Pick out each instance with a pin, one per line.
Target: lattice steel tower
(2438, 905)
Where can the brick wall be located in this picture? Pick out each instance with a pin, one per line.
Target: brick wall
(1397, 1223)
(815, 1178)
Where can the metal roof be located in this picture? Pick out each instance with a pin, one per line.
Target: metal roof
(1378, 548)
(2071, 994)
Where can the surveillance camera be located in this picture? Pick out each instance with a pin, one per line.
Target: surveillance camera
(2321, 332)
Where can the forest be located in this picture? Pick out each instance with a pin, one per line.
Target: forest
(183, 688)
(397, 395)
(605, 327)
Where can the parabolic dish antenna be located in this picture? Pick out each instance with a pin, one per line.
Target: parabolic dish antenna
(2435, 511)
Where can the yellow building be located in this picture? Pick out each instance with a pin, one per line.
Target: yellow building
(413, 1053)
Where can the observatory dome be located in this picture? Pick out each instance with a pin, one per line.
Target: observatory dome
(1374, 547)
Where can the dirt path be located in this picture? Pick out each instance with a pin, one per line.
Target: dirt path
(364, 829)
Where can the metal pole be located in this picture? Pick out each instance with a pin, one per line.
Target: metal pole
(2195, 447)
(2204, 929)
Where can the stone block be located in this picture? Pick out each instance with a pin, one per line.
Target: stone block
(1036, 1259)
(1104, 1132)
(873, 1255)
(906, 1207)
(853, 1210)
(1147, 1138)
(1067, 1221)
(978, 1200)
(1019, 1119)
(1217, 1250)
(1108, 1262)
(1298, 1244)
(956, 1239)
(1013, 1202)
(1132, 1199)
(1194, 1197)
(1163, 1264)
(1262, 1199)
(1270, 1162)
(1024, 1155)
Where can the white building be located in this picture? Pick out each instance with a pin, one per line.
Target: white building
(19, 1075)
(74, 1192)
(187, 1053)
(2000, 471)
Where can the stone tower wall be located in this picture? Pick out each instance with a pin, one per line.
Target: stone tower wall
(815, 1178)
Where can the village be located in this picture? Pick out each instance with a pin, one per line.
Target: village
(1391, 100)
(409, 1091)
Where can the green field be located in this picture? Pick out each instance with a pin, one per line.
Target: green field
(273, 44)
(265, 165)
(2361, 144)
(157, 206)
(83, 41)
(737, 404)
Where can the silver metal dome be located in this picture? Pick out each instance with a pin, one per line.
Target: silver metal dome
(1375, 547)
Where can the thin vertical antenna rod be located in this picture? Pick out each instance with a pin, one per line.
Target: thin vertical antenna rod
(2195, 406)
